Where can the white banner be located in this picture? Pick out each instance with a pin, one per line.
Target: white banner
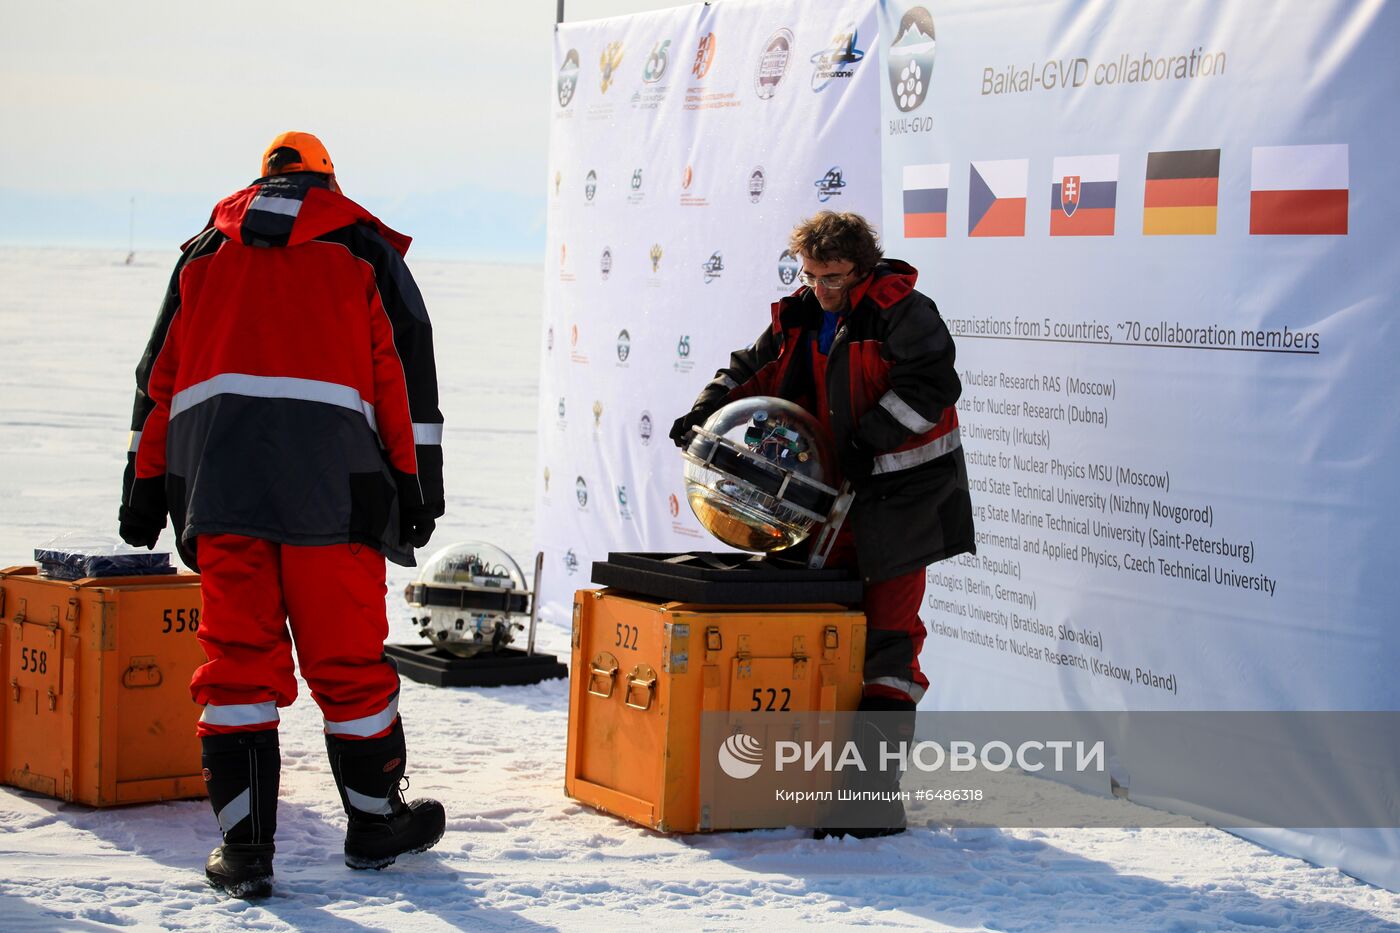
(686, 145)
(1163, 237)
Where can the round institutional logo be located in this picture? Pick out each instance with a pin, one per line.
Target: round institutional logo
(581, 490)
(740, 756)
(570, 562)
(837, 60)
(756, 184)
(568, 78)
(608, 63)
(704, 56)
(644, 428)
(605, 265)
(713, 267)
(656, 62)
(830, 184)
(590, 184)
(911, 59)
(788, 267)
(675, 505)
(773, 64)
(624, 345)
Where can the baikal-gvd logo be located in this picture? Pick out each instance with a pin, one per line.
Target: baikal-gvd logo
(911, 59)
(788, 267)
(568, 78)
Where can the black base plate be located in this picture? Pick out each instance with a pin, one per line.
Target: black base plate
(727, 579)
(509, 667)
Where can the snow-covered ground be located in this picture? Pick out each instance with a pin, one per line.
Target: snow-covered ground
(518, 854)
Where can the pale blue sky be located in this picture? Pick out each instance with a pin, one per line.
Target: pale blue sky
(436, 113)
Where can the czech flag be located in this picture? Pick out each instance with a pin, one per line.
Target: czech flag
(996, 198)
(1298, 190)
(1181, 193)
(1083, 195)
(925, 201)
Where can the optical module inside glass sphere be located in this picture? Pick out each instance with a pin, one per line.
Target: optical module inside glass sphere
(750, 468)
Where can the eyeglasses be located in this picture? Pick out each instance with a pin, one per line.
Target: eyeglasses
(825, 281)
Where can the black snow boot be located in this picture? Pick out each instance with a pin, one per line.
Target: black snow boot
(878, 720)
(382, 826)
(242, 772)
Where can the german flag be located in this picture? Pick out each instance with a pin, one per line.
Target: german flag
(1182, 191)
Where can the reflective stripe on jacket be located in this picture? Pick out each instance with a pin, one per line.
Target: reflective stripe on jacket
(289, 390)
(889, 395)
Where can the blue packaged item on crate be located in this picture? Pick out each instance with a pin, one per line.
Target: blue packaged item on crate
(75, 557)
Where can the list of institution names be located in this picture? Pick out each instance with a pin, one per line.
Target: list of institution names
(1040, 509)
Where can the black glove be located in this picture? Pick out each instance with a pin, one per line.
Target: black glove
(416, 528)
(138, 528)
(682, 425)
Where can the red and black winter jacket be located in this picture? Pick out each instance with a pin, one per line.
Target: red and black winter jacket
(289, 390)
(889, 396)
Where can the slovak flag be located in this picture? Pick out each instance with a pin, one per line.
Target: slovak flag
(1299, 190)
(1083, 195)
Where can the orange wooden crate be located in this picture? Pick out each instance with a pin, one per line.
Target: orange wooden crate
(96, 674)
(644, 673)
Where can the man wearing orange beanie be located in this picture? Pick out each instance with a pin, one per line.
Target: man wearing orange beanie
(287, 420)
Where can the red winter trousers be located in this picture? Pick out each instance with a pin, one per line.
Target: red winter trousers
(894, 636)
(894, 633)
(261, 597)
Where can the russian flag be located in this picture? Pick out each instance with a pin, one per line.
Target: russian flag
(926, 201)
(996, 198)
(1298, 190)
(1083, 195)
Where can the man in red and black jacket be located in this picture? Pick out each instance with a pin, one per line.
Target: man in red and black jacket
(287, 420)
(871, 358)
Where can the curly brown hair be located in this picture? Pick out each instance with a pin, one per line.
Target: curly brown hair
(833, 237)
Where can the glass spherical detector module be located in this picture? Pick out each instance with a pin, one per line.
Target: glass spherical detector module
(470, 597)
(757, 474)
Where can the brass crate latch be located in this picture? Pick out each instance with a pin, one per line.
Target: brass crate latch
(142, 672)
(603, 675)
(642, 680)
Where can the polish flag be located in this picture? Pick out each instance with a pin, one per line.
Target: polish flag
(1298, 190)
